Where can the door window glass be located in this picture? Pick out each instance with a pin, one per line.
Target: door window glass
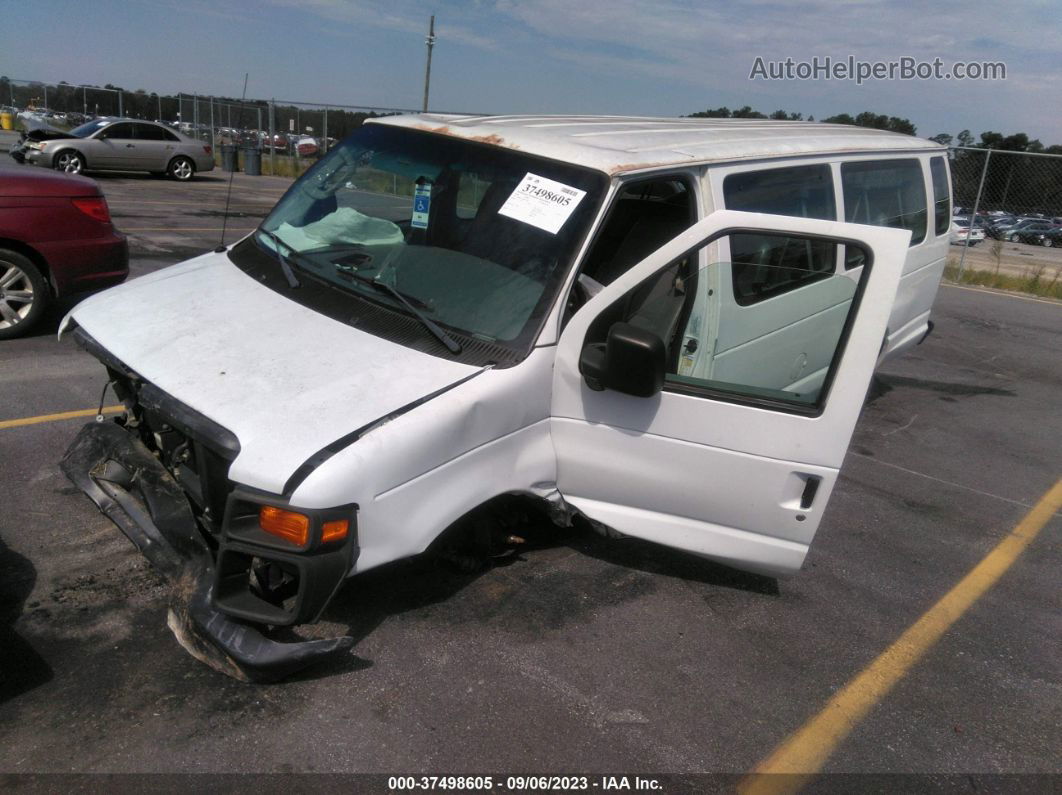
(122, 131)
(149, 132)
(782, 349)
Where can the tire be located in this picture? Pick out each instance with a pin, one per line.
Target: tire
(1047, 242)
(1013, 238)
(69, 160)
(24, 294)
(181, 169)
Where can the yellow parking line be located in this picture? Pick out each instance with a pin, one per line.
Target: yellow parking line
(62, 415)
(796, 761)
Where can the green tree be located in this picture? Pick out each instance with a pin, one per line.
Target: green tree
(716, 113)
(747, 113)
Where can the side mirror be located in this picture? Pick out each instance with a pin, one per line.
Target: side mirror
(632, 361)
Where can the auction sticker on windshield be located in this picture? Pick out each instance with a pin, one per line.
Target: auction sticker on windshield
(542, 202)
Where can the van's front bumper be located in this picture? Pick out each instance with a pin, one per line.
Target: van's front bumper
(129, 485)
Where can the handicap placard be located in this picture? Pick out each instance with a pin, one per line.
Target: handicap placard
(421, 206)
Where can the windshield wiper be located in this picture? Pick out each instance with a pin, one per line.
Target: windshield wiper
(289, 274)
(451, 344)
(408, 302)
(350, 272)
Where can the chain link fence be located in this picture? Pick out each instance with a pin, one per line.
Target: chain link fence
(1013, 202)
(286, 136)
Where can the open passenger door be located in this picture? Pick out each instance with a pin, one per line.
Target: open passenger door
(733, 458)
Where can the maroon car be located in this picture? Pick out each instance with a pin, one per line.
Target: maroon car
(56, 239)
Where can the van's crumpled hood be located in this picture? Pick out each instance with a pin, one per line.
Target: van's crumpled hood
(284, 379)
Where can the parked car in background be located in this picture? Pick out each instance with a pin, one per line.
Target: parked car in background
(56, 239)
(1051, 238)
(306, 146)
(1029, 233)
(279, 143)
(1002, 230)
(961, 231)
(123, 145)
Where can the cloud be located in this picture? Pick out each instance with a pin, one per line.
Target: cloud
(398, 15)
(704, 52)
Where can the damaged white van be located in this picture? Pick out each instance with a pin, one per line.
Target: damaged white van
(665, 326)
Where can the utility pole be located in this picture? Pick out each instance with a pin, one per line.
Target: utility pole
(430, 41)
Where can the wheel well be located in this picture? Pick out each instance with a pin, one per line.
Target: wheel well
(480, 531)
(75, 150)
(175, 158)
(32, 255)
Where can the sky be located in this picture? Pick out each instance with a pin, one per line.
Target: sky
(625, 57)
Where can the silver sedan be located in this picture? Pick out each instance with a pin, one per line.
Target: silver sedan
(123, 145)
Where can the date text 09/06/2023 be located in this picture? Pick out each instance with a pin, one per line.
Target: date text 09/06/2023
(522, 783)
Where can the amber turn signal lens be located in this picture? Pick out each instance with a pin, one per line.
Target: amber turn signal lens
(291, 526)
(335, 530)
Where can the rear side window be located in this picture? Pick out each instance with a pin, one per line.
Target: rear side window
(941, 195)
(886, 193)
(122, 131)
(765, 266)
(149, 132)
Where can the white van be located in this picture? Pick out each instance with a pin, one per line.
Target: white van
(665, 327)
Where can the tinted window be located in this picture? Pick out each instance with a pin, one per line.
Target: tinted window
(765, 266)
(149, 132)
(119, 131)
(886, 193)
(941, 194)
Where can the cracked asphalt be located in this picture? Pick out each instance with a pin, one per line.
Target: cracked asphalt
(584, 654)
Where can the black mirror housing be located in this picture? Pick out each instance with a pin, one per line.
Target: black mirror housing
(633, 361)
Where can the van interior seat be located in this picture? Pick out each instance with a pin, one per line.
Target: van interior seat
(636, 229)
(505, 241)
(657, 304)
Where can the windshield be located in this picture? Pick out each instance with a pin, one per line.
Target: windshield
(86, 129)
(476, 237)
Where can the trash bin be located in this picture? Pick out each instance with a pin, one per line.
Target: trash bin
(229, 158)
(7, 120)
(252, 161)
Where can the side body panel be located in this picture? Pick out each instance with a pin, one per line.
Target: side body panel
(414, 476)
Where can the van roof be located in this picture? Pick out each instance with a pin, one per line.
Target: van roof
(622, 144)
